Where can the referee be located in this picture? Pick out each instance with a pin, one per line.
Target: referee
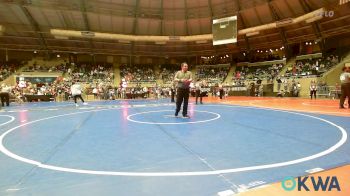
(183, 79)
(345, 86)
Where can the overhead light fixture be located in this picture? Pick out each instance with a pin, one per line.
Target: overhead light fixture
(58, 56)
(252, 34)
(341, 2)
(2, 29)
(201, 42)
(160, 43)
(124, 41)
(60, 37)
(313, 19)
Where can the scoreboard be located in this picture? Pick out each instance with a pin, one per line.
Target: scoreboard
(224, 30)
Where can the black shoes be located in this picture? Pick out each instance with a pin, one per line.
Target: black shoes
(186, 116)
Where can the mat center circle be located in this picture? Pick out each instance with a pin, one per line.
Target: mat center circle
(168, 117)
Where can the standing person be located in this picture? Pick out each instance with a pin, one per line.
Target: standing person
(221, 91)
(95, 92)
(337, 92)
(279, 83)
(313, 89)
(172, 94)
(198, 91)
(298, 89)
(5, 95)
(183, 79)
(345, 86)
(76, 91)
(205, 89)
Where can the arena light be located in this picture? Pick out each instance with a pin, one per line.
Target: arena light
(313, 19)
(341, 2)
(124, 41)
(61, 37)
(124, 37)
(252, 34)
(201, 42)
(60, 33)
(2, 29)
(160, 43)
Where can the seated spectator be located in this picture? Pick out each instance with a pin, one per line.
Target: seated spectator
(313, 66)
(137, 73)
(212, 74)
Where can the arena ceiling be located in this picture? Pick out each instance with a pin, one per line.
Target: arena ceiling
(27, 24)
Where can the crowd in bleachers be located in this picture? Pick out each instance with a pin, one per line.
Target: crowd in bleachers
(212, 74)
(167, 73)
(63, 67)
(315, 66)
(137, 73)
(99, 76)
(88, 73)
(7, 69)
(214, 60)
(268, 72)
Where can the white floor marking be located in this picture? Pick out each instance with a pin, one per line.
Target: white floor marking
(252, 103)
(11, 119)
(129, 118)
(314, 170)
(331, 149)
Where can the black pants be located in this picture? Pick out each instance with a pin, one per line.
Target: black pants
(5, 97)
(313, 92)
(172, 96)
(78, 96)
(345, 92)
(199, 95)
(182, 96)
(221, 93)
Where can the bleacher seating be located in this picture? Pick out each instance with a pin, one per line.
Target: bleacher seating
(212, 74)
(7, 69)
(267, 72)
(312, 66)
(138, 73)
(167, 73)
